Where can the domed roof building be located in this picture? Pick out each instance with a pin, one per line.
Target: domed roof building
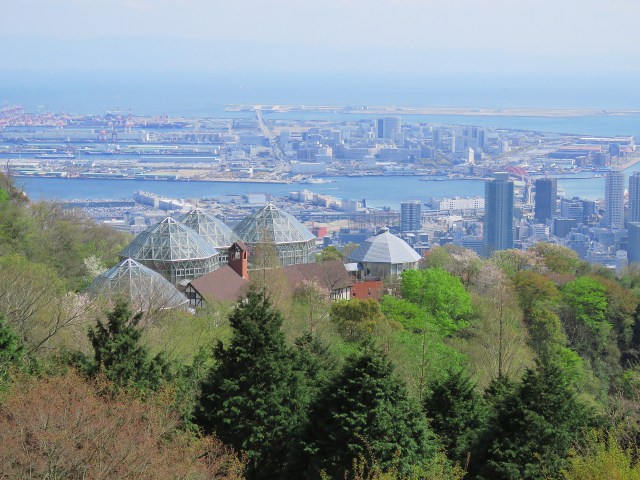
(173, 250)
(145, 289)
(211, 229)
(294, 243)
(384, 254)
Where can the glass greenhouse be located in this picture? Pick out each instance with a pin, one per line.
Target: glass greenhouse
(173, 250)
(212, 229)
(294, 243)
(144, 288)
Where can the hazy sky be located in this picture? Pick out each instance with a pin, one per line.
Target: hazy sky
(494, 33)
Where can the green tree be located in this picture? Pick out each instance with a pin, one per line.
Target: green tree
(533, 427)
(419, 350)
(603, 457)
(441, 295)
(557, 258)
(455, 411)
(496, 339)
(586, 320)
(120, 355)
(12, 350)
(254, 398)
(513, 261)
(458, 261)
(436, 257)
(534, 289)
(621, 307)
(365, 411)
(311, 305)
(315, 362)
(329, 254)
(546, 335)
(356, 319)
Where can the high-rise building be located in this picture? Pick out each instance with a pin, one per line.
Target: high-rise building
(562, 226)
(634, 197)
(572, 208)
(410, 216)
(633, 242)
(546, 199)
(388, 127)
(614, 199)
(589, 211)
(498, 213)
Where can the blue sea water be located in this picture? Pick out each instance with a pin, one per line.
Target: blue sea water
(377, 191)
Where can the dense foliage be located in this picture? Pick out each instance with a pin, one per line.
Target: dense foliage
(365, 410)
(524, 365)
(254, 397)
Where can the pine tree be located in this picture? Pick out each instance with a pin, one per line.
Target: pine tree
(533, 427)
(120, 356)
(11, 348)
(455, 411)
(254, 398)
(365, 412)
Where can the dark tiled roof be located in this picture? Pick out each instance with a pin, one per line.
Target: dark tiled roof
(330, 275)
(223, 284)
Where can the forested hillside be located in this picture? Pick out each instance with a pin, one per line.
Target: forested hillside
(525, 365)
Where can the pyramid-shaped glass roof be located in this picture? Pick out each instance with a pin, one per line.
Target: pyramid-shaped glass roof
(272, 225)
(168, 241)
(211, 228)
(384, 248)
(143, 287)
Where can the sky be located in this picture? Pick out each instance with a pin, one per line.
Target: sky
(410, 36)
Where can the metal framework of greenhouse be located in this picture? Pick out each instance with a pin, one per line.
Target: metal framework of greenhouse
(294, 243)
(141, 286)
(174, 250)
(212, 229)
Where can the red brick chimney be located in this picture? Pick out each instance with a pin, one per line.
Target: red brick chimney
(238, 259)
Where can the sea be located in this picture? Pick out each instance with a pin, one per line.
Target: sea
(378, 191)
(207, 93)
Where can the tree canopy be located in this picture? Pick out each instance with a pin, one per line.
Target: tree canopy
(441, 296)
(254, 398)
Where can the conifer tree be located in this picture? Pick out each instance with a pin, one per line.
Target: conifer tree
(254, 398)
(365, 411)
(455, 411)
(119, 354)
(533, 427)
(11, 348)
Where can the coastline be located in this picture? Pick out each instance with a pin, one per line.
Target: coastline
(633, 161)
(453, 111)
(151, 180)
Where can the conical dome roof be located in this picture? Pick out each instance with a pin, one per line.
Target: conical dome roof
(210, 228)
(271, 224)
(169, 241)
(384, 248)
(143, 287)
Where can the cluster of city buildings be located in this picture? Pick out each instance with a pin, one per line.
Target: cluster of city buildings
(121, 146)
(516, 214)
